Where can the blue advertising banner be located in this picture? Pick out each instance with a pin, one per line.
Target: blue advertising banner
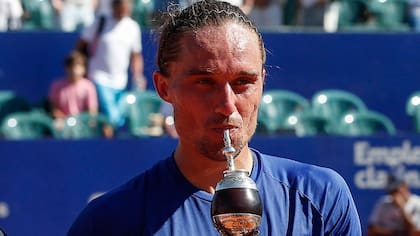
(44, 184)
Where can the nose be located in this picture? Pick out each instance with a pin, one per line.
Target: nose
(226, 100)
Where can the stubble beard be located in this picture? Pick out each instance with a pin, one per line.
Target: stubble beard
(214, 151)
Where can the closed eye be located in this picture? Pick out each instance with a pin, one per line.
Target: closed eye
(204, 81)
(244, 81)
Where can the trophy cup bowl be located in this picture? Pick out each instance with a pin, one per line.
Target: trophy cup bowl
(236, 208)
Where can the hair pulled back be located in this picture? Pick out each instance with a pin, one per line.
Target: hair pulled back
(177, 23)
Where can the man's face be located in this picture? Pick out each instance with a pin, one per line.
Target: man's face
(216, 84)
(122, 9)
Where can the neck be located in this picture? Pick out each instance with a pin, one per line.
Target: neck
(74, 79)
(203, 172)
(118, 17)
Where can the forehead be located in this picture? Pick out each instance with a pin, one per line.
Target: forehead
(235, 36)
(220, 47)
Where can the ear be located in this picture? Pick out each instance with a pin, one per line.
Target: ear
(264, 73)
(161, 85)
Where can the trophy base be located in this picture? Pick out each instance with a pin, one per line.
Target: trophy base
(236, 224)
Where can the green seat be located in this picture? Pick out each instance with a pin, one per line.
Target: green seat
(311, 124)
(413, 109)
(142, 12)
(139, 108)
(10, 103)
(27, 125)
(389, 14)
(278, 110)
(290, 13)
(333, 104)
(364, 123)
(349, 14)
(38, 15)
(85, 126)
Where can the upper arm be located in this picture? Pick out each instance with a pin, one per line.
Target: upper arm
(137, 41)
(92, 99)
(82, 225)
(341, 214)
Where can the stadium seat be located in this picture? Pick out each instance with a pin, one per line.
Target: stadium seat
(364, 123)
(333, 104)
(10, 103)
(278, 110)
(27, 125)
(349, 13)
(142, 12)
(38, 15)
(140, 109)
(310, 124)
(413, 109)
(389, 14)
(86, 126)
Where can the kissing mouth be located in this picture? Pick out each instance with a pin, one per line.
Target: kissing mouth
(232, 123)
(221, 128)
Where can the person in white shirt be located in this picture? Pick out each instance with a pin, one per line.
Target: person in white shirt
(414, 13)
(111, 51)
(75, 14)
(104, 7)
(10, 14)
(267, 13)
(397, 213)
(311, 12)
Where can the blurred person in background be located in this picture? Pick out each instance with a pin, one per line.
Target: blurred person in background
(397, 213)
(11, 13)
(414, 12)
(2, 232)
(311, 12)
(267, 13)
(74, 14)
(104, 8)
(72, 94)
(113, 44)
(167, 112)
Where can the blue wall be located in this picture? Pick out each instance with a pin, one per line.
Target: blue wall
(46, 183)
(383, 69)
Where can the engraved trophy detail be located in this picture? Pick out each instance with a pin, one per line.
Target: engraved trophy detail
(236, 207)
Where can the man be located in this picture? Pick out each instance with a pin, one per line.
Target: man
(397, 213)
(414, 14)
(113, 43)
(11, 13)
(74, 13)
(267, 13)
(311, 12)
(211, 69)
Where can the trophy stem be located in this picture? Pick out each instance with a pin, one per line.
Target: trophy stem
(228, 150)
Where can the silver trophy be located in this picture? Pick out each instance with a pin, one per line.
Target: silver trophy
(236, 207)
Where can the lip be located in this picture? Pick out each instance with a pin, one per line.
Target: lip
(221, 129)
